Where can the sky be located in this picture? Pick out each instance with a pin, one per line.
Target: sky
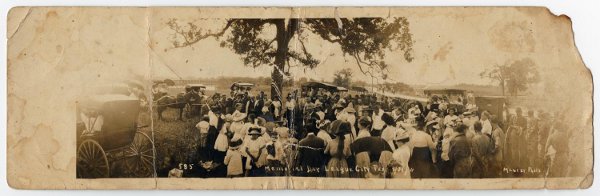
(449, 48)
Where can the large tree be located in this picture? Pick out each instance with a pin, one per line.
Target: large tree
(266, 42)
(514, 76)
(343, 77)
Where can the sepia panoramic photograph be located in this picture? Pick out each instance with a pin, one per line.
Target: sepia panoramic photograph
(289, 98)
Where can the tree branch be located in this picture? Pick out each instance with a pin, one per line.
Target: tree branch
(193, 36)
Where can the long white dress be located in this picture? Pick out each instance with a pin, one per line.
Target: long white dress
(222, 144)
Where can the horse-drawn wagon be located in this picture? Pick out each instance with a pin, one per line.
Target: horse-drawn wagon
(108, 134)
(195, 100)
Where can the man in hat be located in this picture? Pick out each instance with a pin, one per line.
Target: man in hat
(460, 153)
(259, 104)
(480, 146)
(310, 120)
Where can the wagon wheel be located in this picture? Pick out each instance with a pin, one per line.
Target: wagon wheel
(140, 156)
(92, 161)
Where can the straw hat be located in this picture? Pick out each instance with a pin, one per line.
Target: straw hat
(238, 117)
(235, 143)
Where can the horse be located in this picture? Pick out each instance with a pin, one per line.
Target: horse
(180, 101)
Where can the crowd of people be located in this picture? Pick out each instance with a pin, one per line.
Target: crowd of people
(317, 133)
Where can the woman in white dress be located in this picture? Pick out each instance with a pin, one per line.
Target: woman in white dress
(399, 166)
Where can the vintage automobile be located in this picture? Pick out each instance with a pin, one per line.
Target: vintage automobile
(241, 86)
(495, 105)
(195, 87)
(108, 133)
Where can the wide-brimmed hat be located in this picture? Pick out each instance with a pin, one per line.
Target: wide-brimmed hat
(254, 131)
(431, 123)
(235, 143)
(238, 116)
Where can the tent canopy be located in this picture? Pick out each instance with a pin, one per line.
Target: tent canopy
(323, 85)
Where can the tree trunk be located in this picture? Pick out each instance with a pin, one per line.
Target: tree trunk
(280, 58)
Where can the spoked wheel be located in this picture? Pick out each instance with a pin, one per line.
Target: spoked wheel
(92, 161)
(140, 156)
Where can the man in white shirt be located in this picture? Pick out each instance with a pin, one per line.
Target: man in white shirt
(377, 121)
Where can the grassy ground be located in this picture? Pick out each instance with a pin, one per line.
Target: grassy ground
(175, 141)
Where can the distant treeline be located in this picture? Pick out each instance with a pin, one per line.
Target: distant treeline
(224, 82)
